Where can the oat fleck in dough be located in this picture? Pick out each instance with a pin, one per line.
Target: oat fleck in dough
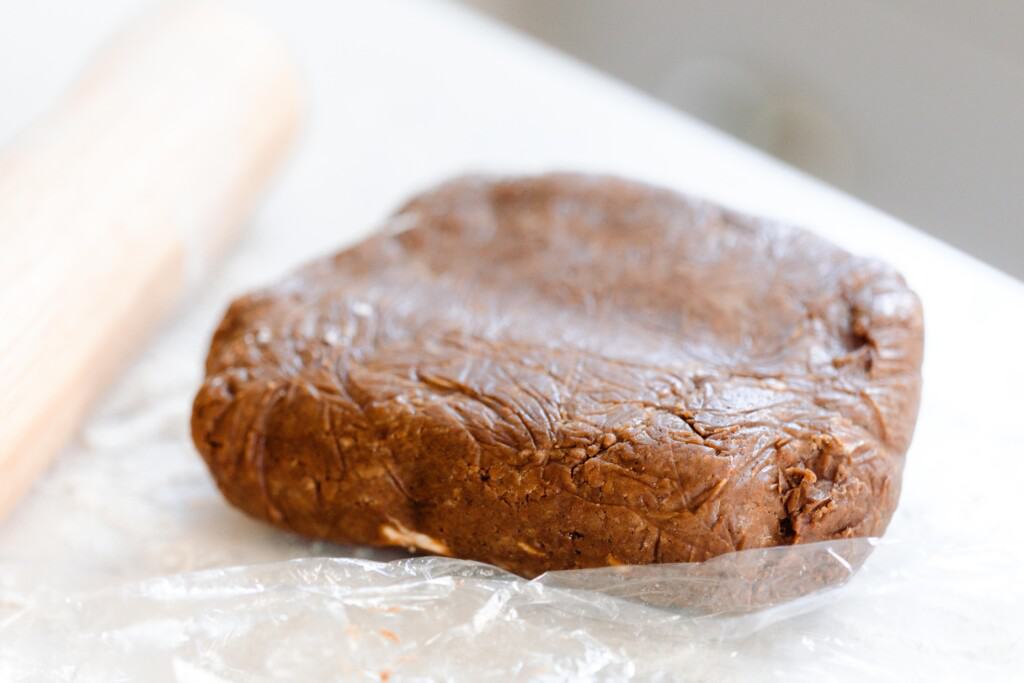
(568, 371)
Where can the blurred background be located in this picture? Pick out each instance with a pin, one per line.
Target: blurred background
(915, 106)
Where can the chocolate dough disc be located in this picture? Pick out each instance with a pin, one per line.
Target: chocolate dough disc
(568, 371)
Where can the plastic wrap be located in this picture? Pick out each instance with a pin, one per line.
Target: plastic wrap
(112, 570)
(420, 618)
(786, 613)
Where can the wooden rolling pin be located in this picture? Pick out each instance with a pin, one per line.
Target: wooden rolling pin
(113, 203)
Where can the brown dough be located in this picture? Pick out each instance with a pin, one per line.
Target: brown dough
(568, 371)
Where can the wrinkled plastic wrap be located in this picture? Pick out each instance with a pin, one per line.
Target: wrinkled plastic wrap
(343, 618)
(114, 570)
(430, 618)
(784, 613)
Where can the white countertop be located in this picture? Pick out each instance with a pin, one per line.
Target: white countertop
(403, 94)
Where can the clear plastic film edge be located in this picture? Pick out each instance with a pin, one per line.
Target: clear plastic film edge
(433, 618)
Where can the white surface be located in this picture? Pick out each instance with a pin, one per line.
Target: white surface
(403, 94)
